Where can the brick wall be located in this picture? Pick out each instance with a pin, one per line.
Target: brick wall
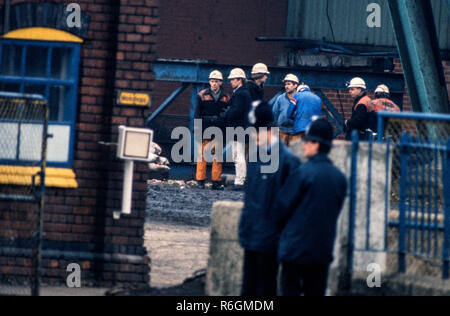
(218, 31)
(117, 54)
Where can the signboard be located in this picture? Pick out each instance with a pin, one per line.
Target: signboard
(131, 98)
(134, 143)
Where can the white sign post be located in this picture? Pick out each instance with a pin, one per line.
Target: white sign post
(134, 144)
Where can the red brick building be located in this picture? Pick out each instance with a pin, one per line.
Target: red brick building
(115, 47)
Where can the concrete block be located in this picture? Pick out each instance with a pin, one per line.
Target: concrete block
(224, 273)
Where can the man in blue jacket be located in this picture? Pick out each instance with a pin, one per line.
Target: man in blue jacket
(258, 232)
(304, 106)
(308, 205)
(280, 110)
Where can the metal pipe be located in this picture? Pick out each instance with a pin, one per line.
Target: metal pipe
(402, 227)
(127, 187)
(446, 250)
(418, 44)
(166, 103)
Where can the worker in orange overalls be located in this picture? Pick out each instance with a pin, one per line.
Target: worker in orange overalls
(211, 105)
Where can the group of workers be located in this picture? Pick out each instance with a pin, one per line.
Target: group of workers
(292, 113)
(290, 216)
(364, 111)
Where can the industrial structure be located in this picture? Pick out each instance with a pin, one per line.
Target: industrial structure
(130, 63)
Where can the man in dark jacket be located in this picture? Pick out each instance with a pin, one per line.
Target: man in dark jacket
(255, 85)
(258, 232)
(361, 108)
(211, 103)
(237, 116)
(308, 205)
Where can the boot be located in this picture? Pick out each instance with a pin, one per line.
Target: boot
(201, 184)
(217, 186)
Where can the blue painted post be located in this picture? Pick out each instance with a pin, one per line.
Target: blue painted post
(195, 89)
(446, 250)
(369, 191)
(402, 225)
(352, 210)
(423, 160)
(386, 194)
(380, 128)
(436, 200)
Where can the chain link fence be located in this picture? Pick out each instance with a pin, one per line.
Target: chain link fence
(420, 187)
(23, 139)
(426, 137)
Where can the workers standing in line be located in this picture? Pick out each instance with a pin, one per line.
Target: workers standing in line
(280, 109)
(255, 85)
(211, 103)
(303, 107)
(308, 206)
(258, 232)
(381, 103)
(362, 106)
(237, 116)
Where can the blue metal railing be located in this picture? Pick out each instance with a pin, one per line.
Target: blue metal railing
(420, 176)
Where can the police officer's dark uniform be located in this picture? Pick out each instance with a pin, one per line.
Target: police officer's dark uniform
(258, 232)
(309, 204)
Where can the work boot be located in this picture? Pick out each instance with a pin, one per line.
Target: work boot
(217, 186)
(238, 187)
(201, 184)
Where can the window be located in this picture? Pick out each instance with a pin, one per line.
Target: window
(49, 69)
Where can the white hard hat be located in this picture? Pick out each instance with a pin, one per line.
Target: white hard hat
(217, 75)
(357, 83)
(291, 77)
(303, 87)
(237, 73)
(260, 69)
(382, 89)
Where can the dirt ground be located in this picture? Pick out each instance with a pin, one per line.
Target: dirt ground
(177, 252)
(177, 235)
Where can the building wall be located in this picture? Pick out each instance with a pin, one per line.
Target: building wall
(117, 53)
(218, 31)
(223, 32)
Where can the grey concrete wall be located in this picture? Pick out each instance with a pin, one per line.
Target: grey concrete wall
(224, 273)
(225, 263)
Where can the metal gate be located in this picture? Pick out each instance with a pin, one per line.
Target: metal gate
(416, 219)
(23, 143)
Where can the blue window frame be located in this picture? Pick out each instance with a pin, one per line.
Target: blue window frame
(49, 69)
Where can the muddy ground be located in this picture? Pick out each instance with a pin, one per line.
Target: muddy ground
(177, 235)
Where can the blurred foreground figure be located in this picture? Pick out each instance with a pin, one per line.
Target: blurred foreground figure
(308, 205)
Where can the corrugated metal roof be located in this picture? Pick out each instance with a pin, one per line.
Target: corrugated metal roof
(308, 19)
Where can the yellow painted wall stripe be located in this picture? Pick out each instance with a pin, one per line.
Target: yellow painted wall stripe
(43, 34)
(55, 177)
